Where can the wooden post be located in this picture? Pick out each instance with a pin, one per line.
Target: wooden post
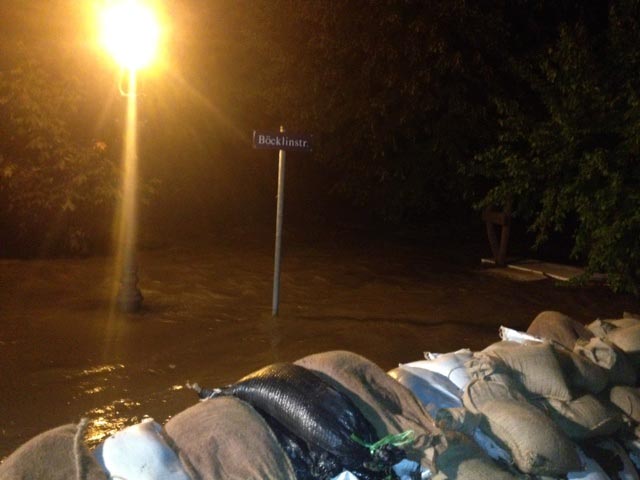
(503, 220)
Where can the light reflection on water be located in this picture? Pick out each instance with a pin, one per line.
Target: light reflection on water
(100, 369)
(107, 420)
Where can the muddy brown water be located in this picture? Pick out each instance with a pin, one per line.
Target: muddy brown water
(207, 318)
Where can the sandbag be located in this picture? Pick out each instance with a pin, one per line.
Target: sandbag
(434, 391)
(581, 374)
(558, 327)
(451, 365)
(329, 424)
(585, 417)
(458, 420)
(602, 327)
(626, 399)
(140, 451)
(226, 438)
(534, 367)
(490, 389)
(463, 460)
(628, 340)
(591, 469)
(57, 454)
(627, 320)
(511, 335)
(536, 444)
(389, 406)
(606, 355)
(612, 458)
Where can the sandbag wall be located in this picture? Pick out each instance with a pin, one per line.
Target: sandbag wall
(558, 401)
(227, 437)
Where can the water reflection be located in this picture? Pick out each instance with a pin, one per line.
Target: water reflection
(107, 420)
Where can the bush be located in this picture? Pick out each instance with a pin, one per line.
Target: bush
(569, 143)
(57, 189)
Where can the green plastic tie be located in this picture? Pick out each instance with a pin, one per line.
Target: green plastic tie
(397, 440)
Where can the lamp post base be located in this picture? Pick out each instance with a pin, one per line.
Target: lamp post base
(129, 299)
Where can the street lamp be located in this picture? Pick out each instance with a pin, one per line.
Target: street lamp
(130, 32)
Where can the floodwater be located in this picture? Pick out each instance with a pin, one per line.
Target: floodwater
(207, 318)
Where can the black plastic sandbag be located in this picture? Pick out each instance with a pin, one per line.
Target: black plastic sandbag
(321, 429)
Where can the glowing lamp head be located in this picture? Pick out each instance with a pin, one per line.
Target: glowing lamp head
(130, 32)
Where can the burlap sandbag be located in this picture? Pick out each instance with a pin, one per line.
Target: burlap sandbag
(627, 320)
(585, 417)
(558, 327)
(457, 419)
(536, 444)
(534, 367)
(389, 406)
(489, 389)
(600, 328)
(581, 374)
(463, 460)
(618, 366)
(224, 437)
(628, 340)
(626, 399)
(58, 454)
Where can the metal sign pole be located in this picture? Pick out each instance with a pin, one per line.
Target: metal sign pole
(276, 270)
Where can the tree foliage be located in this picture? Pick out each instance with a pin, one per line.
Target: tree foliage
(567, 153)
(56, 188)
(393, 91)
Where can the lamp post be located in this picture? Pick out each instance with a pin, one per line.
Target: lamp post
(130, 33)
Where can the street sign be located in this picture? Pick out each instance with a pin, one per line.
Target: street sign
(281, 141)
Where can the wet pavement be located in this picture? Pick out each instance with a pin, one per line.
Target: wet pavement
(207, 317)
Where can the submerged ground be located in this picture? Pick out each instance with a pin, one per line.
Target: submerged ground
(65, 355)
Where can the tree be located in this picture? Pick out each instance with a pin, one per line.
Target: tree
(57, 188)
(567, 154)
(395, 92)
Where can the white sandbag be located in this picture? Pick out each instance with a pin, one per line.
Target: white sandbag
(451, 365)
(590, 470)
(633, 450)
(406, 470)
(609, 449)
(435, 391)
(140, 452)
(535, 443)
(511, 335)
(345, 476)
(534, 367)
